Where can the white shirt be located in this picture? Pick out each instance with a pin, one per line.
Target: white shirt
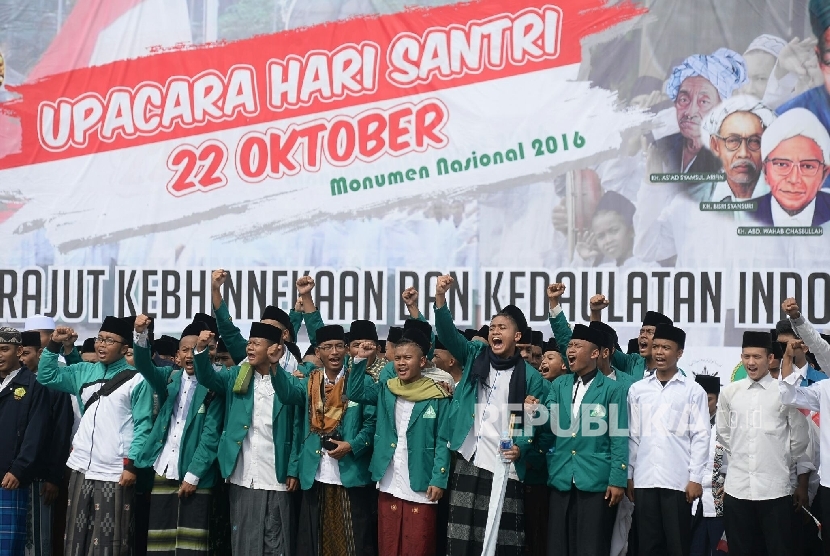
(329, 469)
(721, 192)
(167, 464)
(256, 464)
(798, 375)
(780, 217)
(814, 341)
(668, 444)
(815, 397)
(395, 480)
(9, 377)
(481, 447)
(579, 390)
(762, 439)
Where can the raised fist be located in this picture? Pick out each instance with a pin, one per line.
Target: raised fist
(792, 346)
(555, 291)
(790, 307)
(62, 333)
(217, 278)
(443, 284)
(410, 296)
(205, 338)
(275, 353)
(69, 343)
(598, 302)
(142, 322)
(304, 285)
(366, 349)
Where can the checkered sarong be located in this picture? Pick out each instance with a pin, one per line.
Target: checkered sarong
(13, 505)
(38, 523)
(469, 501)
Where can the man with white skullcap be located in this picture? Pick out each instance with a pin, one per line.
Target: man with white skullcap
(732, 131)
(42, 324)
(696, 86)
(760, 57)
(796, 154)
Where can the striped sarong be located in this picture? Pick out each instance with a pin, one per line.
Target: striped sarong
(338, 521)
(469, 501)
(98, 518)
(13, 520)
(38, 523)
(178, 526)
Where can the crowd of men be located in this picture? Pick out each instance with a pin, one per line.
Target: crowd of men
(434, 441)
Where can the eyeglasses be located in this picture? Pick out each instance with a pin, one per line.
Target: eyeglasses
(783, 167)
(332, 347)
(734, 142)
(109, 342)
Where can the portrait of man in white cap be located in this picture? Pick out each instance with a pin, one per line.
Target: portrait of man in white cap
(696, 86)
(796, 153)
(732, 131)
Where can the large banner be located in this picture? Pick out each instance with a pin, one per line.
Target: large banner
(509, 143)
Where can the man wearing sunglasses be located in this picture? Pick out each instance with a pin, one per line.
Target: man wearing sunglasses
(796, 154)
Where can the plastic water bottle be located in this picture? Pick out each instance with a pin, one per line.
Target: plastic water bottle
(506, 443)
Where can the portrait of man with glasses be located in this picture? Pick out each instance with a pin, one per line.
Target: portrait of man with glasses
(796, 152)
(732, 131)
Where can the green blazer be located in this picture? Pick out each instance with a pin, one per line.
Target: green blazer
(631, 363)
(625, 380)
(236, 342)
(592, 462)
(626, 373)
(536, 461)
(428, 457)
(200, 440)
(357, 428)
(239, 414)
(462, 409)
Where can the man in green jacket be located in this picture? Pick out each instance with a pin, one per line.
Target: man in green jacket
(289, 324)
(608, 347)
(338, 515)
(537, 497)
(635, 364)
(181, 448)
(117, 416)
(410, 462)
(487, 401)
(257, 443)
(361, 332)
(587, 468)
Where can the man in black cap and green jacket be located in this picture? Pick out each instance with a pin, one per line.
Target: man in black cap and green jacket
(488, 404)
(181, 448)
